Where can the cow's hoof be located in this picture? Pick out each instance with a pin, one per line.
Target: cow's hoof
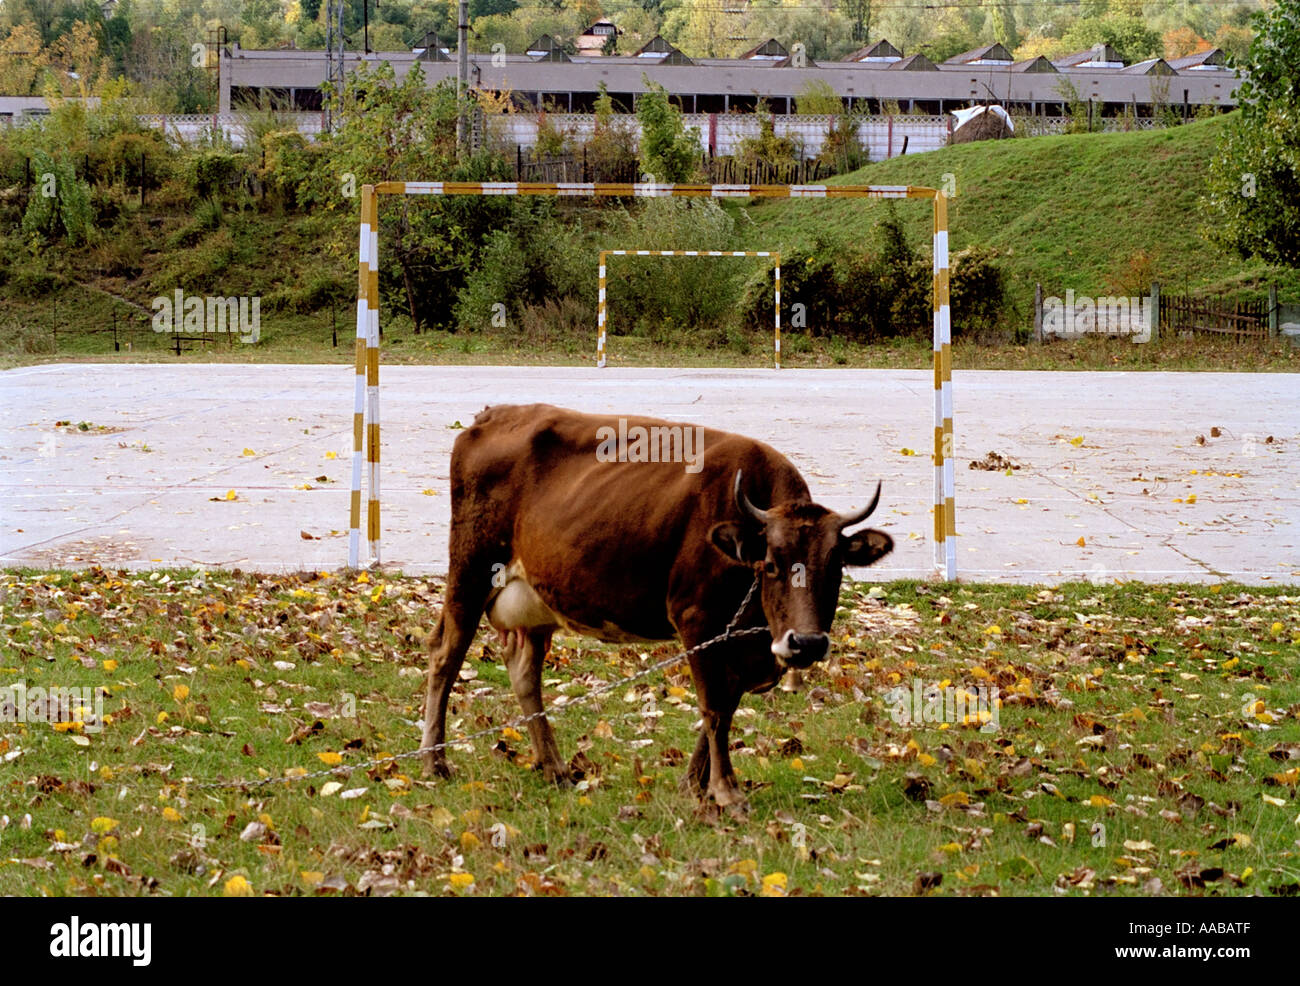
(730, 799)
(557, 775)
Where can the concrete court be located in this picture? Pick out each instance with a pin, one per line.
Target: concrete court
(150, 491)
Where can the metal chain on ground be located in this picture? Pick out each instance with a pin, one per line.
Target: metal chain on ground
(343, 770)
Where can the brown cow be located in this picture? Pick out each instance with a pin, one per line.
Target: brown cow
(634, 529)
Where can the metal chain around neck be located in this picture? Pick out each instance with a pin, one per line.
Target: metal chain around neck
(343, 770)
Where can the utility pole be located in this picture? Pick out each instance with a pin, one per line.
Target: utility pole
(462, 72)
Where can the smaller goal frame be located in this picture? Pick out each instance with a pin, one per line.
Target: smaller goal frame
(602, 315)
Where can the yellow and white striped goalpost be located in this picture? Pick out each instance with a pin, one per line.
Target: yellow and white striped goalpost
(602, 316)
(365, 427)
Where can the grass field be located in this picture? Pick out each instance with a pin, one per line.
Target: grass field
(1147, 742)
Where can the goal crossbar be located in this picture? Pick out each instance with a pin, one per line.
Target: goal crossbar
(602, 311)
(365, 418)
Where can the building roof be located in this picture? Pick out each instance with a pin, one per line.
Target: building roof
(913, 63)
(547, 49)
(1210, 58)
(1098, 56)
(1039, 64)
(771, 48)
(995, 52)
(881, 50)
(665, 53)
(623, 75)
(1152, 66)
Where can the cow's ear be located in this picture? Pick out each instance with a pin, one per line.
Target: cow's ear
(866, 547)
(738, 542)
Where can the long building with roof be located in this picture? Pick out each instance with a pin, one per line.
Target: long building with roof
(878, 76)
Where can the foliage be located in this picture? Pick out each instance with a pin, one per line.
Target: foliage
(665, 297)
(668, 151)
(1128, 35)
(767, 149)
(59, 206)
(612, 150)
(214, 173)
(1252, 200)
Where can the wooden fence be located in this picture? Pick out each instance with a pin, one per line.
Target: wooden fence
(1240, 320)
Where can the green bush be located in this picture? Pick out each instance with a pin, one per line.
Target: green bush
(977, 291)
(59, 204)
(117, 159)
(211, 173)
(295, 170)
(697, 295)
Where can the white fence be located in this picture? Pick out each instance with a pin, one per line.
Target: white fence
(191, 128)
(720, 133)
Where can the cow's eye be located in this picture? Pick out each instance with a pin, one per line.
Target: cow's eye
(769, 568)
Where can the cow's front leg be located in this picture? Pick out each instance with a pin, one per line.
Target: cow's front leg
(525, 665)
(719, 696)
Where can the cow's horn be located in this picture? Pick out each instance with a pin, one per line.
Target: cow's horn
(848, 520)
(743, 503)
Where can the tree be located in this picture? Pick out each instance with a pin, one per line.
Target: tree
(1130, 36)
(1252, 202)
(859, 14)
(668, 150)
(486, 8)
(1002, 20)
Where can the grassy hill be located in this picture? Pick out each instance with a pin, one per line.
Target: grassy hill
(1102, 214)
(1093, 212)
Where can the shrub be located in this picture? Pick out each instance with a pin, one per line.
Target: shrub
(611, 152)
(211, 173)
(668, 151)
(66, 211)
(977, 291)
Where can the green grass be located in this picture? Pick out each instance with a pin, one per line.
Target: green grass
(1066, 211)
(1069, 212)
(1147, 733)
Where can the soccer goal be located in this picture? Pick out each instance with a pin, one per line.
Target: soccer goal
(602, 307)
(365, 418)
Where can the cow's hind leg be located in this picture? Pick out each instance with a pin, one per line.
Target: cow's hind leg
(462, 609)
(696, 779)
(525, 666)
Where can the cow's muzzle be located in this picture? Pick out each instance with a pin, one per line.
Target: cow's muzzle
(800, 650)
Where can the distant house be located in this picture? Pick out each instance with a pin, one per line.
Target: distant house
(597, 38)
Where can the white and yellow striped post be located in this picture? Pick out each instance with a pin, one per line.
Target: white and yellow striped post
(602, 316)
(945, 510)
(600, 311)
(368, 314)
(372, 378)
(365, 263)
(776, 280)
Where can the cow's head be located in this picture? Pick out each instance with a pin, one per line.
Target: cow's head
(799, 551)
